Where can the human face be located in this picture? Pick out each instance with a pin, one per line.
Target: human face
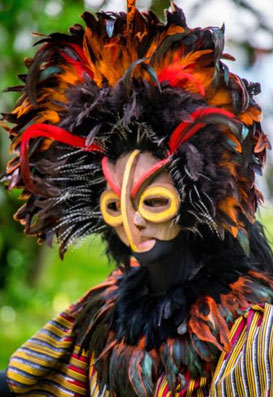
(140, 201)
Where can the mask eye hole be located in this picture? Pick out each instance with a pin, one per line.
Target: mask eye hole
(159, 203)
(113, 206)
(155, 202)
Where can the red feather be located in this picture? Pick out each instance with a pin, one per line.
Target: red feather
(186, 129)
(177, 77)
(52, 132)
(80, 66)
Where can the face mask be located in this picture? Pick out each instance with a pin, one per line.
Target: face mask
(140, 201)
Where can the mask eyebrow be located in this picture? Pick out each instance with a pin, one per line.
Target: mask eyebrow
(107, 174)
(151, 172)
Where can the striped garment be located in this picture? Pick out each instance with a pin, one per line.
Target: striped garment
(50, 364)
(247, 370)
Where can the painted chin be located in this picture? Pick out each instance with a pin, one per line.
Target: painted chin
(146, 245)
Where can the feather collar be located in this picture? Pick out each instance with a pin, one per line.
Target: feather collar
(136, 336)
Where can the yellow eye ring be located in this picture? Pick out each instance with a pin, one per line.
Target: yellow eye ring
(111, 217)
(157, 214)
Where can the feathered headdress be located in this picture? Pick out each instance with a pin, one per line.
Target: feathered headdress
(128, 81)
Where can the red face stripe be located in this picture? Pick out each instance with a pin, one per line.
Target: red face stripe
(147, 174)
(109, 179)
(48, 131)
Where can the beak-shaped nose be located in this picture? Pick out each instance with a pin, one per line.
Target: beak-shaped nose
(139, 222)
(127, 210)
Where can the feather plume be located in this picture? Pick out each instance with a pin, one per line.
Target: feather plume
(51, 132)
(129, 81)
(197, 120)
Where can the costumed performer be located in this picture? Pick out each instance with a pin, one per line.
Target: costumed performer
(136, 130)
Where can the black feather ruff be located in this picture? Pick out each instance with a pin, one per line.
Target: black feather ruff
(123, 321)
(138, 311)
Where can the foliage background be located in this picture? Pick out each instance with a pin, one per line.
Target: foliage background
(34, 283)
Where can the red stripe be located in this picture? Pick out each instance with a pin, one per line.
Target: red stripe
(187, 379)
(166, 390)
(78, 383)
(237, 335)
(68, 338)
(150, 172)
(159, 385)
(249, 318)
(67, 317)
(238, 331)
(77, 369)
(107, 174)
(93, 373)
(81, 357)
(260, 320)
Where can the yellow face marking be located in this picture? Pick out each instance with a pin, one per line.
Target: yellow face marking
(149, 214)
(125, 198)
(159, 204)
(112, 216)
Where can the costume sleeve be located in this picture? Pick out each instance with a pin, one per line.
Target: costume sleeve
(50, 363)
(4, 388)
(248, 368)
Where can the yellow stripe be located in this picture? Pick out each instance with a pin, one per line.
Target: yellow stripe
(260, 352)
(238, 380)
(62, 381)
(270, 351)
(232, 359)
(52, 363)
(49, 339)
(35, 360)
(44, 350)
(203, 382)
(242, 368)
(62, 321)
(228, 386)
(190, 388)
(249, 356)
(57, 331)
(125, 197)
(61, 343)
(163, 385)
(223, 354)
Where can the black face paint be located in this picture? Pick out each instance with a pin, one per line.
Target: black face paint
(169, 263)
(158, 252)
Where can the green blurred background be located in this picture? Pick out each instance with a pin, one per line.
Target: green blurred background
(34, 283)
